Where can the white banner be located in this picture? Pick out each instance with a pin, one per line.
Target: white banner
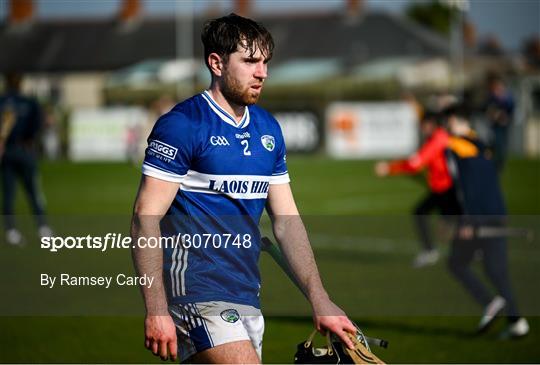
(300, 130)
(106, 134)
(371, 130)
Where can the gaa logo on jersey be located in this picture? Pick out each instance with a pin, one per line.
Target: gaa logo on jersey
(268, 142)
(163, 149)
(219, 141)
(230, 315)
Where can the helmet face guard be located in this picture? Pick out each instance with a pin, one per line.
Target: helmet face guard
(336, 352)
(332, 353)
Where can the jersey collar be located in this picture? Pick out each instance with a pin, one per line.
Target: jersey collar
(225, 116)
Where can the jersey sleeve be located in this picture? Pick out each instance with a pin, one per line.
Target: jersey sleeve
(400, 167)
(431, 150)
(280, 174)
(170, 148)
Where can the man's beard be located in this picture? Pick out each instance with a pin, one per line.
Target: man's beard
(232, 90)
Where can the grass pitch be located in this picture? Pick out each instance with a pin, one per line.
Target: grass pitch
(363, 242)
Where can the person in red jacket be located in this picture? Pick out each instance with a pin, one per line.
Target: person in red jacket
(441, 196)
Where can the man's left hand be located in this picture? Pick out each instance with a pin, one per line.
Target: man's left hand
(329, 317)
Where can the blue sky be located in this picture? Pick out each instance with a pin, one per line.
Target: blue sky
(509, 20)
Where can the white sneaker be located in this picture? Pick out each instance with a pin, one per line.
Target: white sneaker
(493, 309)
(14, 237)
(45, 231)
(426, 258)
(517, 329)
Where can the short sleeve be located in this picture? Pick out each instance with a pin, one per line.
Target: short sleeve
(168, 155)
(280, 173)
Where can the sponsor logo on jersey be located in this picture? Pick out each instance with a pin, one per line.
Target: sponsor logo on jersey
(230, 315)
(243, 135)
(239, 186)
(268, 142)
(163, 149)
(219, 141)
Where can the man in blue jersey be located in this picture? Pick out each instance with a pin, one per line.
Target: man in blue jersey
(212, 165)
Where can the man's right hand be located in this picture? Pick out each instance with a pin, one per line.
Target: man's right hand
(160, 336)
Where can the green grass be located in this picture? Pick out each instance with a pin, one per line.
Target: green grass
(119, 340)
(320, 185)
(360, 229)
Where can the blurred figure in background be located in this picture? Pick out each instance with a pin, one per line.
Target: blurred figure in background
(499, 112)
(163, 104)
(133, 142)
(20, 122)
(478, 189)
(50, 138)
(441, 196)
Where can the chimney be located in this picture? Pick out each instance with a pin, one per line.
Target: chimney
(355, 8)
(469, 34)
(21, 12)
(130, 11)
(242, 7)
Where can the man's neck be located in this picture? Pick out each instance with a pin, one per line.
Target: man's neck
(237, 111)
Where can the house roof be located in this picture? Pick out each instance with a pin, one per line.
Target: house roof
(105, 44)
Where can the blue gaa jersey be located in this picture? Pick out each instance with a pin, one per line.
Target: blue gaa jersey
(224, 170)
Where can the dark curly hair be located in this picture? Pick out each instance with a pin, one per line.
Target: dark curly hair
(224, 35)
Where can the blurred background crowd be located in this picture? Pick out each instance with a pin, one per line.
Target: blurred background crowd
(351, 79)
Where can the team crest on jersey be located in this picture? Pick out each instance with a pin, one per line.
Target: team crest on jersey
(268, 142)
(230, 315)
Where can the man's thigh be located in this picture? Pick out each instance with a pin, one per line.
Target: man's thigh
(240, 352)
(204, 326)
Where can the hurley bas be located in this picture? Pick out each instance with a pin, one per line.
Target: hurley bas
(104, 281)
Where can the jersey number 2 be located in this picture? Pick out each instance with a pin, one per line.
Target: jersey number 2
(245, 143)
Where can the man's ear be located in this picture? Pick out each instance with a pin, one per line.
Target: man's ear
(215, 63)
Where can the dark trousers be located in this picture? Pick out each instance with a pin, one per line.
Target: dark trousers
(445, 203)
(500, 145)
(20, 164)
(495, 262)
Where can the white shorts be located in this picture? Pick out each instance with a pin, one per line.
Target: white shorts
(200, 326)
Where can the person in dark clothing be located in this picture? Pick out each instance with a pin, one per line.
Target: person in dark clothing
(20, 121)
(500, 107)
(441, 196)
(483, 206)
